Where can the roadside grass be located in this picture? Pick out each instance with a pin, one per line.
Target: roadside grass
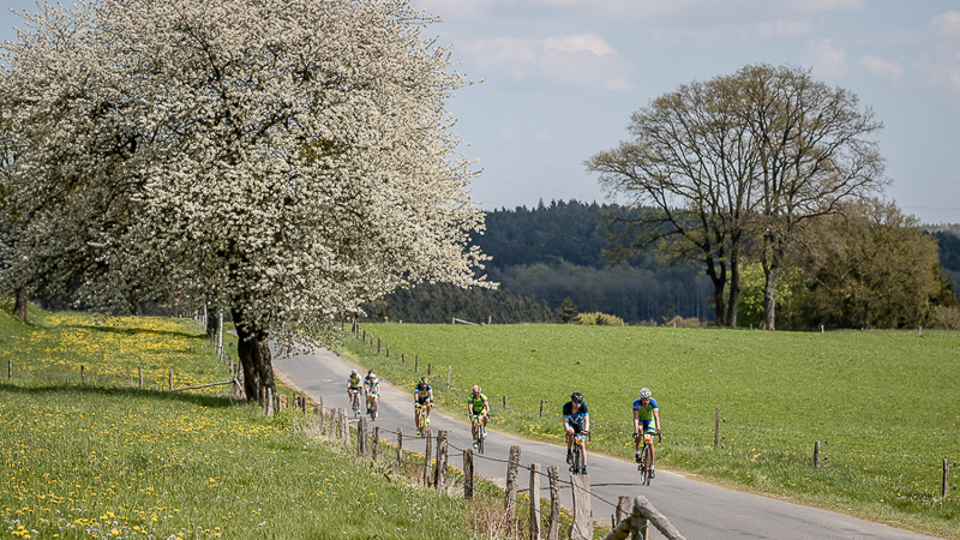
(104, 459)
(882, 403)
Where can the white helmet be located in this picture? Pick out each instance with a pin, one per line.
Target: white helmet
(371, 374)
(354, 372)
(645, 393)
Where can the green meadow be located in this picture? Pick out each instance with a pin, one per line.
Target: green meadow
(103, 458)
(883, 405)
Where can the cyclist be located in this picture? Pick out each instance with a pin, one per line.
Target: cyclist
(646, 423)
(372, 385)
(479, 410)
(576, 419)
(422, 400)
(354, 385)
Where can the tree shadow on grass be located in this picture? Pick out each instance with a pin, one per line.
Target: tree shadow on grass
(194, 399)
(134, 331)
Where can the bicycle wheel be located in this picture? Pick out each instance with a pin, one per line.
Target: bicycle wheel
(645, 465)
(373, 409)
(578, 464)
(480, 438)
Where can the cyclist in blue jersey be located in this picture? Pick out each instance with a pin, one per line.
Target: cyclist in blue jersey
(646, 423)
(372, 384)
(576, 419)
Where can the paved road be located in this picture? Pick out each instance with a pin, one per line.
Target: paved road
(697, 509)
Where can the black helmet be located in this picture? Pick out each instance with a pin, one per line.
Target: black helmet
(576, 396)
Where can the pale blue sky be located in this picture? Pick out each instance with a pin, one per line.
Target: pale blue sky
(561, 78)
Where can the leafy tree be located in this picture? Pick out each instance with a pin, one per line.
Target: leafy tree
(872, 267)
(739, 159)
(286, 160)
(568, 310)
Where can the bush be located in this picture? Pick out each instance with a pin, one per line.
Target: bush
(598, 319)
(945, 318)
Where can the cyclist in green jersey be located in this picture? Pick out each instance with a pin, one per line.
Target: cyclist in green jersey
(354, 385)
(646, 423)
(479, 410)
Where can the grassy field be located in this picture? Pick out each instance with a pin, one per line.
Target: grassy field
(104, 459)
(883, 404)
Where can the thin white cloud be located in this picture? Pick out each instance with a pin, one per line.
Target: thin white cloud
(577, 59)
(947, 25)
(784, 28)
(888, 69)
(826, 58)
(827, 5)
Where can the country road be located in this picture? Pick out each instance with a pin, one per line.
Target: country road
(696, 509)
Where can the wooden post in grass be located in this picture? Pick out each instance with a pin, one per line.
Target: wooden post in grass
(281, 402)
(399, 450)
(816, 455)
(504, 401)
(362, 437)
(344, 427)
(624, 508)
(388, 352)
(322, 417)
(364, 336)
(429, 368)
(716, 431)
(378, 345)
(9, 370)
(513, 466)
(449, 371)
(946, 479)
(440, 472)
(535, 501)
(467, 473)
(427, 458)
(140, 376)
(83, 374)
(375, 444)
(541, 408)
(582, 528)
(268, 401)
(553, 531)
(316, 416)
(171, 380)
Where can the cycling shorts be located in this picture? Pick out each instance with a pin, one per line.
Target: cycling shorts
(577, 428)
(648, 427)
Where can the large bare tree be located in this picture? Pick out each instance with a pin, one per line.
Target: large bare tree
(286, 160)
(733, 166)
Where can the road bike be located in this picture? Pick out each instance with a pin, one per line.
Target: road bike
(372, 406)
(579, 449)
(646, 458)
(355, 402)
(424, 417)
(481, 432)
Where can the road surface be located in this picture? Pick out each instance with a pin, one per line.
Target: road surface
(696, 509)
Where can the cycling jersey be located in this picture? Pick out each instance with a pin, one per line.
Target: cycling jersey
(645, 414)
(373, 385)
(476, 403)
(353, 382)
(576, 418)
(422, 393)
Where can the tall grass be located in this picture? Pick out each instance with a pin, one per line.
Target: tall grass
(104, 459)
(883, 404)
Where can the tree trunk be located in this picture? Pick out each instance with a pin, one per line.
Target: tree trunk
(20, 304)
(733, 303)
(254, 357)
(719, 284)
(769, 299)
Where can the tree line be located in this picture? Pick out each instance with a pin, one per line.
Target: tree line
(870, 266)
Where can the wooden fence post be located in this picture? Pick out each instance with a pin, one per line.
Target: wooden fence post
(427, 458)
(9, 370)
(83, 374)
(322, 417)
(375, 444)
(946, 479)
(716, 431)
(344, 427)
(582, 528)
(440, 478)
(378, 345)
(399, 464)
(449, 371)
(513, 465)
(362, 437)
(171, 379)
(624, 507)
(467, 473)
(541, 408)
(534, 501)
(140, 376)
(504, 401)
(816, 455)
(429, 368)
(553, 473)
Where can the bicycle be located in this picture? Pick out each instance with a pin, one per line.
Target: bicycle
(424, 417)
(372, 406)
(645, 466)
(355, 402)
(481, 432)
(579, 448)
